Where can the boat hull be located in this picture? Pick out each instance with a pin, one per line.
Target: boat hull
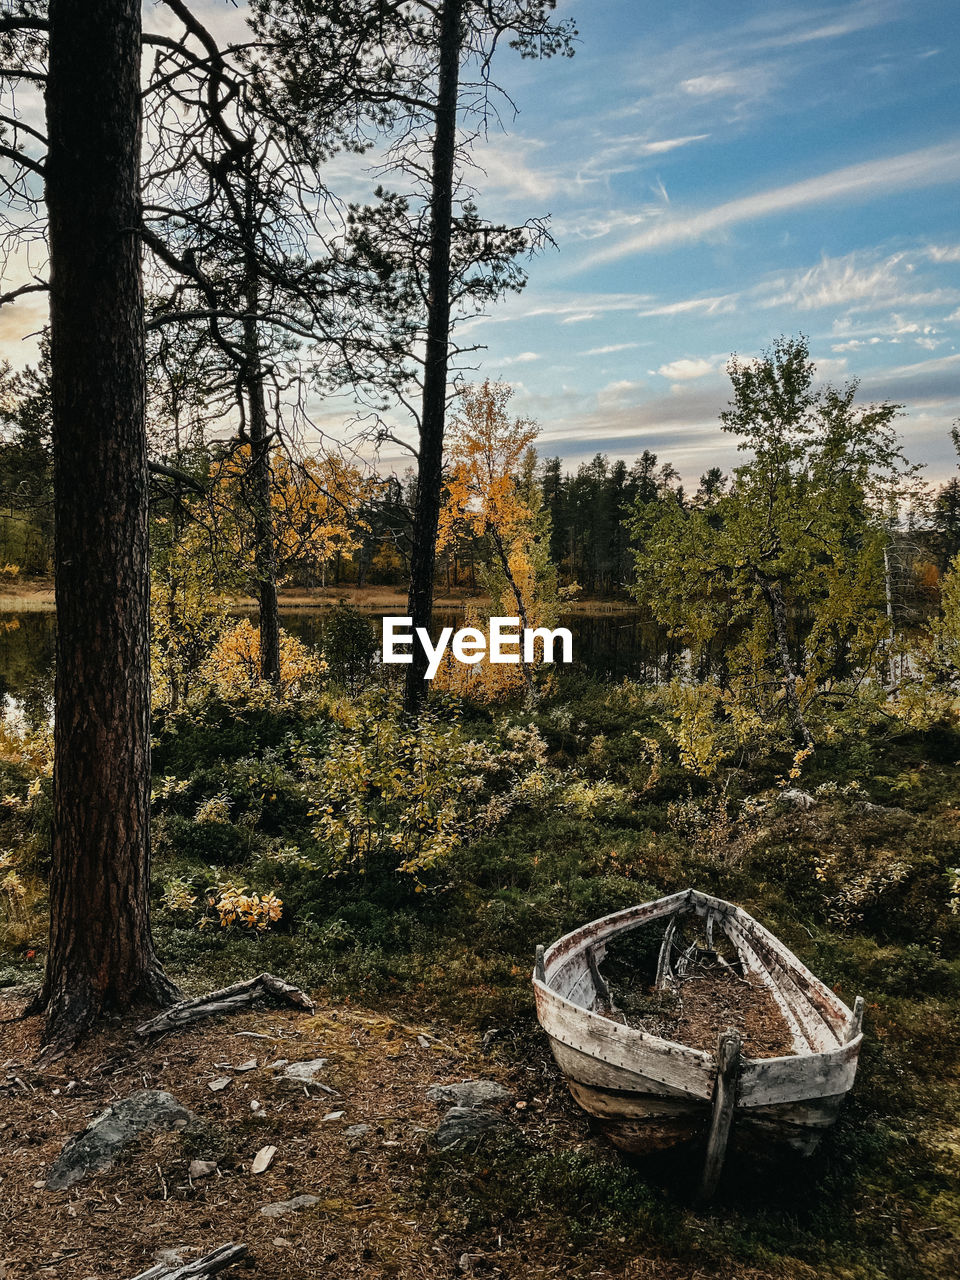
(647, 1093)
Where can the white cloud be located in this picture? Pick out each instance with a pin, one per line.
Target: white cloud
(707, 86)
(944, 253)
(929, 166)
(827, 368)
(685, 370)
(525, 357)
(608, 351)
(840, 282)
(719, 304)
(670, 144)
(507, 167)
(618, 394)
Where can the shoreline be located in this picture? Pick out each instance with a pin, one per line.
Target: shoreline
(28, 597)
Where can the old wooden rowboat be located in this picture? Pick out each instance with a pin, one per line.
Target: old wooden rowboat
(648, 1092)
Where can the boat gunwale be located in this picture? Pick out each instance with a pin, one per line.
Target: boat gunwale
(579, 940)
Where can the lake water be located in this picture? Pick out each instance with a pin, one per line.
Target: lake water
(607, 643)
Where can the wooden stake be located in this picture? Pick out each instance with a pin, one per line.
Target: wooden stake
(539, 969)
(856, 1021)
(721, 1121)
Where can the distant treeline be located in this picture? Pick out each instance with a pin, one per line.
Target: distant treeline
(342, 524)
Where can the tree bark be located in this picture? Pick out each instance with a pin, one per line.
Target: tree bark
(101, 953)
(433, 412)
(531, 692)
(265, 563)
(773, 594)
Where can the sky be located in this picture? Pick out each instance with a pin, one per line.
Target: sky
(717, 175)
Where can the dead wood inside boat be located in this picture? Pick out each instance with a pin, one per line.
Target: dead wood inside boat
(642, 1056)
(697, 991)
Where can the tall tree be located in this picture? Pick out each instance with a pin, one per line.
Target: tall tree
(790, 557)
(407, 64)
(101, 954)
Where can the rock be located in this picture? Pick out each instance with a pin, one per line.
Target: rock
(469, 1093)
(334, 1115)
(255, 1106)
(202, 1168)
(794, 798)
(304, 1072)
(93, 1150)
(221, 1082)
(462, 1123)
(423, 1042)
(284, 1207)
(263, 1159)
(357, 1131)
(869, 809)
(249, 1065)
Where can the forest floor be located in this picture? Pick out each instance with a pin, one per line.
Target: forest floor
(373, 1215)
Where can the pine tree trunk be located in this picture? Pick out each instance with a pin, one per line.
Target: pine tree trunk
(101, 954)
(265, 564)
(433, 413)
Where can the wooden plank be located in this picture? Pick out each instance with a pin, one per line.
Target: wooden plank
(820, 1032)
(853, 1027)
(592, 1073)
(820, 996)
(818, 1113)
(209, 1265)
(800, 1139)
(635, 1106)
(599, 986)
(808, 1027)
(799, 1078)
(753, 964)
(618, 922)
(721, 1119)
(662, 1061)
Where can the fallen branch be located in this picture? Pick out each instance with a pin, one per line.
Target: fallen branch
(227, 1000)
(223, 1257)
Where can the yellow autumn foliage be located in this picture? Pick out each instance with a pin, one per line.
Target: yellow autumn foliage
(232, 668)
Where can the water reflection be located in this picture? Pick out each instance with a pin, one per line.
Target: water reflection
(27, 647)
(611, 644)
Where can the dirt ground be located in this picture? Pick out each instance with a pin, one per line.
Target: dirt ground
(116, 1224)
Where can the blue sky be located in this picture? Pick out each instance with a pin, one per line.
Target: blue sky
(718, 175)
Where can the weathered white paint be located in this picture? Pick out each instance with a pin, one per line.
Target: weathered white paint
(625, 1077)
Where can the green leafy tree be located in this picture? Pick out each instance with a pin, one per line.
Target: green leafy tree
(788, 560)
(26, 465)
